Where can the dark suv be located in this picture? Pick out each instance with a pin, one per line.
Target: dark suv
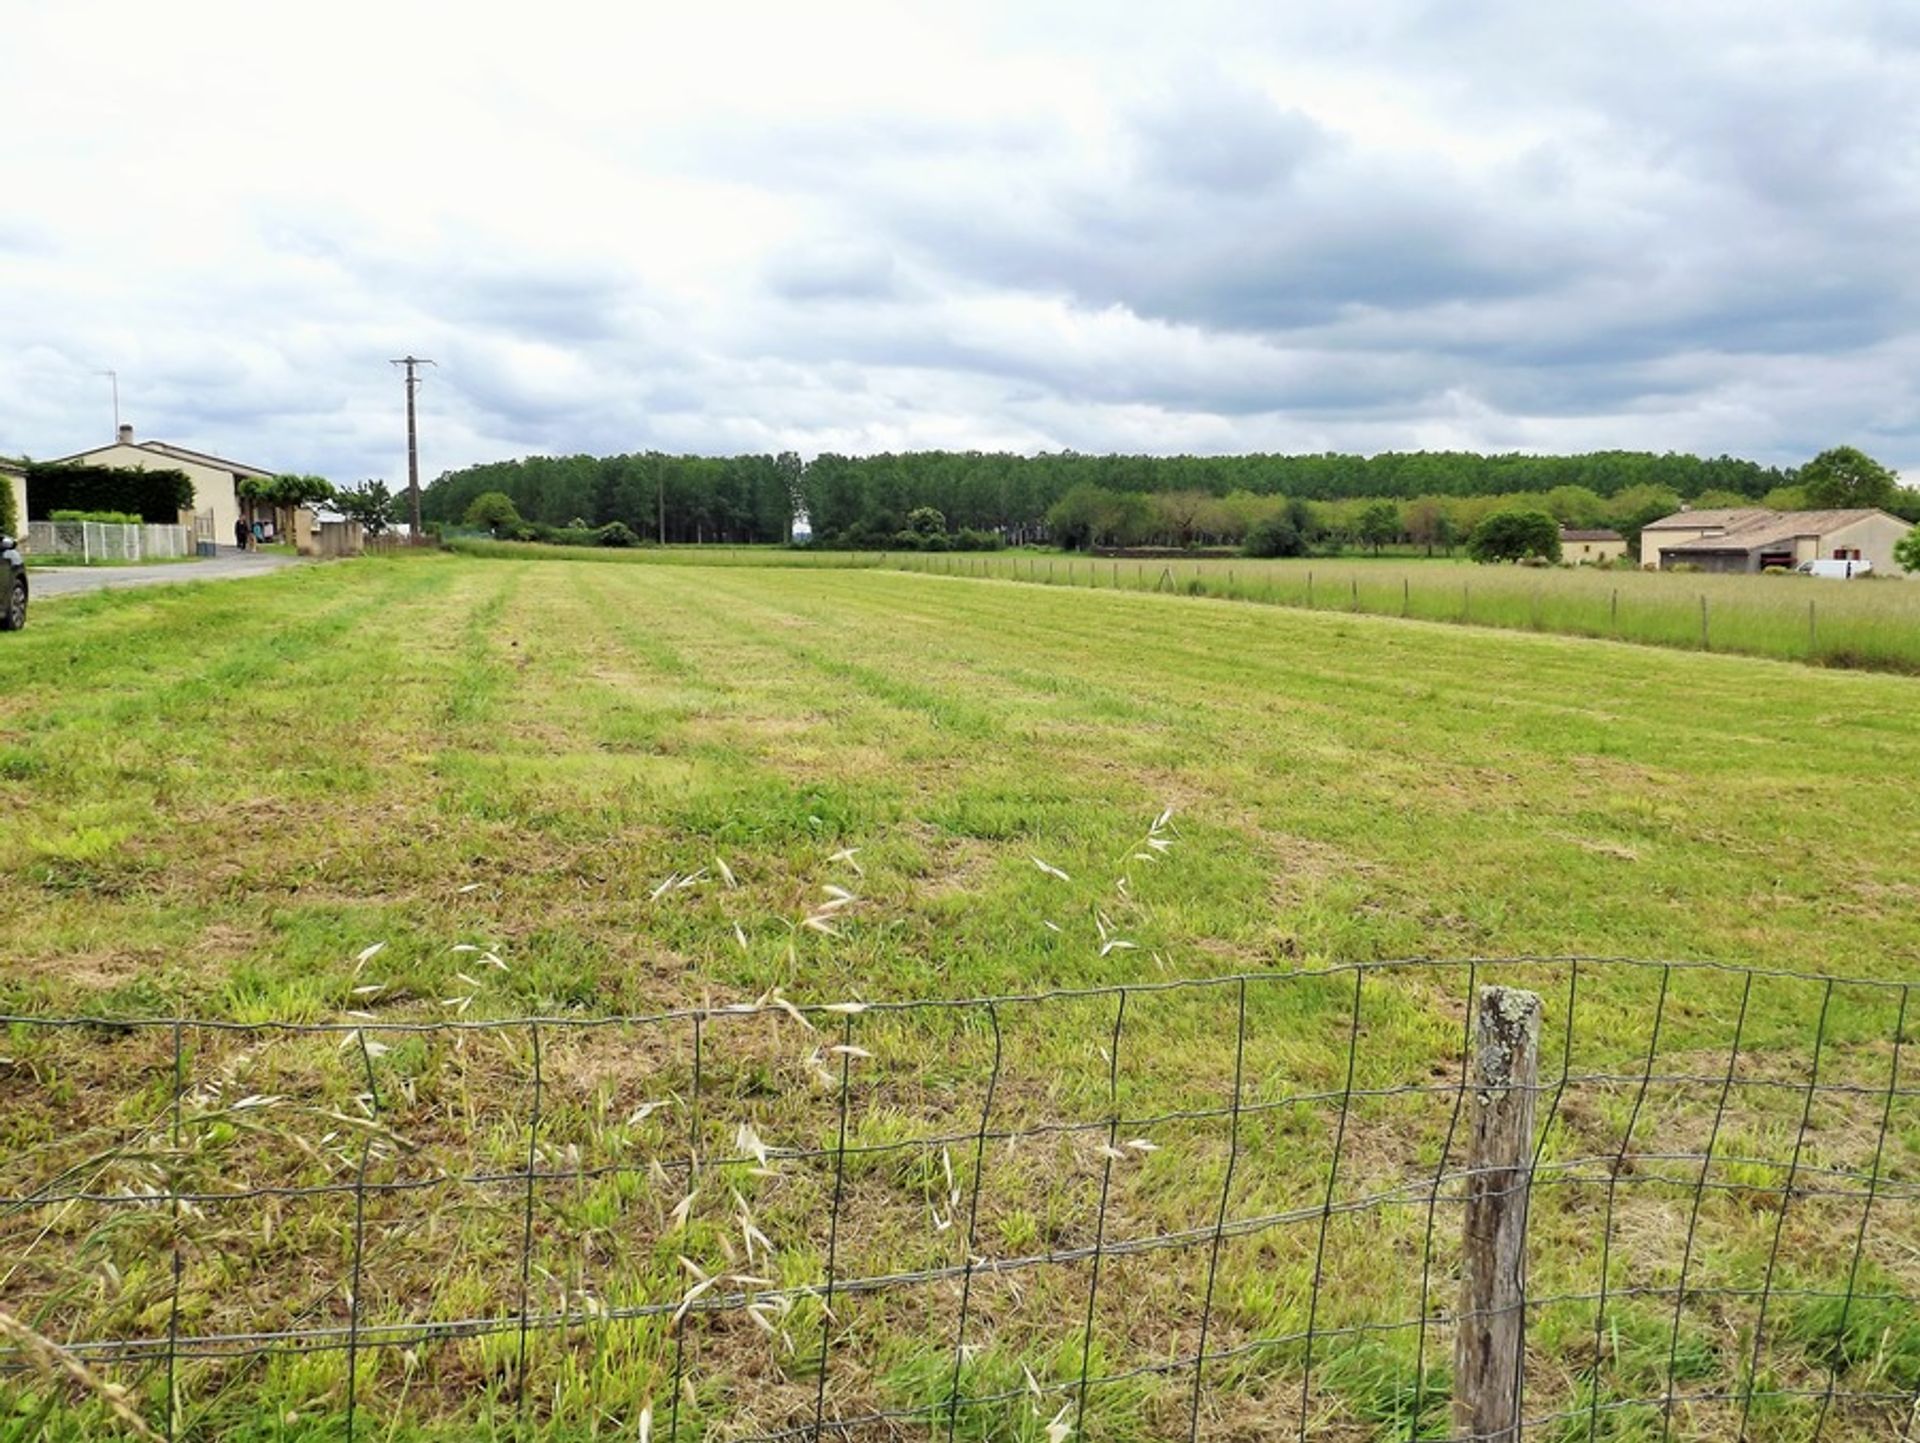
(14, 568)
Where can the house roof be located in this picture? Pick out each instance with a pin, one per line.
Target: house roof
(172, 453)
(1773, 528)
(1591, 533)
(1709, 520)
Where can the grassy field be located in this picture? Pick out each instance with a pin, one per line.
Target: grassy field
(1873, 625)
(221, 796)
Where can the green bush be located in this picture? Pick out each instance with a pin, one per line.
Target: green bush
(616, 533)
(105, 518)
(495, 511)
(1275, 535)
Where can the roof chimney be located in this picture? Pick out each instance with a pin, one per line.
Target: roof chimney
(126, 435)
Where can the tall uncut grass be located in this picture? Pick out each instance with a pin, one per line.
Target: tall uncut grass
(1873, 624)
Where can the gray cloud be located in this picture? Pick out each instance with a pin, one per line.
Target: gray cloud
(1490, 224)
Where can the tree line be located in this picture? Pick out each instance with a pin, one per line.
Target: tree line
(1099, 500)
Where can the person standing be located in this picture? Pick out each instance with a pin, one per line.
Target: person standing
(242, 534)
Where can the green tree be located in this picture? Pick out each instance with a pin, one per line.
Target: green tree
(1844, 478)
(370, 503)
(290, 488)
(1515, 536)
(1378, 524)
(493, 510)
(1275, 535)
(1636, 506)
(926, 521)
(1089, 516)
(1906, 550)
(1723, 500)
(1575, 506)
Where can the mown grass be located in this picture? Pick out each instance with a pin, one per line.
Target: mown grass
(1872, 624)
(220, 798)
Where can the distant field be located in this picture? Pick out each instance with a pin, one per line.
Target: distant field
(218, 800)
(1873, 625)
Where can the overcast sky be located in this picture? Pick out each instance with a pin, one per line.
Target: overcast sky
(1495, 224)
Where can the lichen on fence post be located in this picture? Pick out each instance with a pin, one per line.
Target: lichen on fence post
(1490, 1335)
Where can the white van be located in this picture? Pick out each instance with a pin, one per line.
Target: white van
(1836, 570)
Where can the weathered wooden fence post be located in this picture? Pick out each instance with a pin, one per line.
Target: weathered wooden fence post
(1490, 1337)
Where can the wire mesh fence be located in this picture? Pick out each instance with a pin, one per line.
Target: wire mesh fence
(107, 541)
(1223, 1207)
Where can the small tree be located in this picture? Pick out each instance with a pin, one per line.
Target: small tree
(493, 510)
(1378, 524)
(616, 533)
(926, 521)
(1906, 551)
(1275, 535)
(1844, 478)
(371, 504)
(1515, 536)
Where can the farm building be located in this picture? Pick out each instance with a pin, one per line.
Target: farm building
(1754, 539)
(216, 499)
(1589, 546)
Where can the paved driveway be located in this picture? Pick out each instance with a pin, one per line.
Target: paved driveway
(49, 581)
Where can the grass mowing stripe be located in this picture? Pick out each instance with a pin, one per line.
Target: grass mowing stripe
(1345, 788)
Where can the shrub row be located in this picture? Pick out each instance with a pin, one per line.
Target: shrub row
(966, 539)
(105, 518)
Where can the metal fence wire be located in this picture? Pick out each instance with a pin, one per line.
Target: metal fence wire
(1227, 1207)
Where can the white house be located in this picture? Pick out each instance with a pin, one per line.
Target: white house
(216, 499)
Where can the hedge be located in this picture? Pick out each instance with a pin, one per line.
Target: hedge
(106, 518)
(157, 497)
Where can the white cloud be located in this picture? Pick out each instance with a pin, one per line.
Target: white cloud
(877, 226)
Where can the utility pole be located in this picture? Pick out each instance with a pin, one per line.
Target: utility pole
(113, 378)
(413, 441)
